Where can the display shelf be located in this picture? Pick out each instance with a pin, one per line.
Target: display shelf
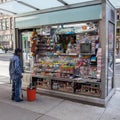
(86, 53)
(72, 54)
(62, 86)
(56, 54)
(87, 81)
(43, 83)
(68, 90)
(39, 76)
(44, 54)
(91, 89)
(77, 86)
(53, 71)
(81, 80)
(88, 94)
(43, 44)
(53, 78)
(61, 63)
(62, 79)
(63, 54)
(76, 32)
(44, 49)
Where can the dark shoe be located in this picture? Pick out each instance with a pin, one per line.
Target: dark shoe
(12, 98)
(19, 100)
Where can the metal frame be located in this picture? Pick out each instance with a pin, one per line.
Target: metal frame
(38, 11)
(8, 11)
(63, 2)
(23, 3)
(60, 8)
(65, 6)
(104, 97)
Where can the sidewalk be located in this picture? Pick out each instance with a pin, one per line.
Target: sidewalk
(50, 108)
(117, 60)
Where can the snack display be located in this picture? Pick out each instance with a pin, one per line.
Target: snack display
(68, 63)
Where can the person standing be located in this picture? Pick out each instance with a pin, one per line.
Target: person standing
(15, 71)
(6, 49)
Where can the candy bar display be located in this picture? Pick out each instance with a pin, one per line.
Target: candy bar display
(68, 61)
(40, 82)
(62, 86)
(88, 89)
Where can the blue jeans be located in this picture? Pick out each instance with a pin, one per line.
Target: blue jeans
(16, 89)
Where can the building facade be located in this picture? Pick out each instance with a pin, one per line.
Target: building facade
(118, 33)
(6, 29)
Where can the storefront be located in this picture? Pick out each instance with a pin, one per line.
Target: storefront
(70, 52)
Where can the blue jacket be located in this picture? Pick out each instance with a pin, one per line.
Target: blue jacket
(15, 69)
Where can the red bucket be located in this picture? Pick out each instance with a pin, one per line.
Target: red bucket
(31, 94)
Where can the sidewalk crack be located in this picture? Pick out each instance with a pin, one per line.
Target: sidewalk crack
(40, 116)
(55, 106)
(99, 118)
(50, 109)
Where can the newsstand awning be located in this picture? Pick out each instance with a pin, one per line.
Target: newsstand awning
(18, 7)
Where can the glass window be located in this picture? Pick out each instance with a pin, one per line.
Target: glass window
(11, 6)
(7, 24)
(3, 24)
(11, 23)
(117, 30)
(0, 24)
(3, 1)
(1, 38)
(6, 37)
(43, 4)
(117, 17)
(24, 6)
(116, 3)
(76, 1)
(26, 48)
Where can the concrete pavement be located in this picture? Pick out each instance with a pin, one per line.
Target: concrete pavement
(117, 60)
(51, 108)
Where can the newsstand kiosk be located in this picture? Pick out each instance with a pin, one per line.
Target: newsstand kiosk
(69, 52)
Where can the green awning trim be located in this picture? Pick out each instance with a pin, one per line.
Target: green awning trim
(63, 16)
